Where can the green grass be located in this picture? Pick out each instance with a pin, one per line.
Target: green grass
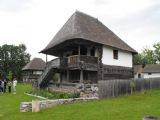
(120, 108)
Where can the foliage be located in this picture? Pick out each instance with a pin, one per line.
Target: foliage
(54, 95)
(148, 56)
(157, 52)
(138, 60)
(132, 85)
(10, 75)
(13, 58)
(133, 107)
(55, 77)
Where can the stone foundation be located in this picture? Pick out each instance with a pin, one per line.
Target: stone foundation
(26, 106)
(85, 90)
(42, 104)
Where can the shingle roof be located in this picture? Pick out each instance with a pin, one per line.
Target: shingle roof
(152, 68)
(83, 26)
(138, 69)
(35, 64)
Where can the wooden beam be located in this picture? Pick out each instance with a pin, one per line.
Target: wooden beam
(67, 75)
(81, 76)
(89, 51)
(79, 53)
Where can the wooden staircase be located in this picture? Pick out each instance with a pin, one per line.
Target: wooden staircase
(47, 74)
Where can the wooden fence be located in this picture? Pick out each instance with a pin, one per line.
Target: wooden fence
(111, 88)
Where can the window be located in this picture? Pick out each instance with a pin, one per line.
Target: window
(115, 54)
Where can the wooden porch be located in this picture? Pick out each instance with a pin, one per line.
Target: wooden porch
(75, 62)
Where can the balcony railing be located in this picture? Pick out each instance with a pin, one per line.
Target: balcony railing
(82, 58)
(73, 61)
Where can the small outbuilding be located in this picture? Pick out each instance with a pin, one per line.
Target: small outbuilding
(33, 70)
(147, 71)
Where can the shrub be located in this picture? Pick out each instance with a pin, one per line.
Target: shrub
(132, 85)
(54, 95)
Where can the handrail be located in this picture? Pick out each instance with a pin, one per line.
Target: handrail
(87, 59)
(49, 66)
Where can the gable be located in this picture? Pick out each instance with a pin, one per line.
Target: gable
(83, 26)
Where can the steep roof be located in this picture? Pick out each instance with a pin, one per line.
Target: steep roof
(85, 27)
(35, 64)
(138, 69)
(152, 68)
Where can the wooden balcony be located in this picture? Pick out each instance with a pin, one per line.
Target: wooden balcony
(75, 62)
(83, 62)
(83, 58)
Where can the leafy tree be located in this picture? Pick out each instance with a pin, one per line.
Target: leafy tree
(132, 85)
(146, 57)
(10, 75)
(137, 59)
(13, 58)
(157, 52)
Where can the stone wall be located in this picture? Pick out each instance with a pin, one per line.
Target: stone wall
(42, 104)
(26, 106)
(85, 90)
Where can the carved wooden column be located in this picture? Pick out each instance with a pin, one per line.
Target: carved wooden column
(81, 76)
(89, 51)
(100, 65)
(67, 75)
(79, 53)
(60, 77)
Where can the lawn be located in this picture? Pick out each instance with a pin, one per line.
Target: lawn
(120, 108)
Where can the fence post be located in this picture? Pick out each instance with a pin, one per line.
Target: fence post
(35, 105)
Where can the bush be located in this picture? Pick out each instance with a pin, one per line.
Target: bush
(54, 95)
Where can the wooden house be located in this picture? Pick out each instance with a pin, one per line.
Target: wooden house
(33, 70)
(87, 51)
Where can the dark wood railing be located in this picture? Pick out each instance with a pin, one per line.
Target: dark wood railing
(89, 59)
(82, 58)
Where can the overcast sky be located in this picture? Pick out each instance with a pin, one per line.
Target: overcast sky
(35, 22)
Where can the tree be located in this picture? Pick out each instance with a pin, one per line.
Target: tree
(13, 58)
(132, 85)
(157, 52)
(10, 75)
(137, 59)
(146, 57)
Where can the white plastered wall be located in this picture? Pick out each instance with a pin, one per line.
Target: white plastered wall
(152, 75)
(124, 57)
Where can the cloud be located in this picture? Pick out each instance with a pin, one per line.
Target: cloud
(35, 22)
(15, 5)
(139, 28)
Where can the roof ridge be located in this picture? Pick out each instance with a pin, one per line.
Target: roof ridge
(83, 26)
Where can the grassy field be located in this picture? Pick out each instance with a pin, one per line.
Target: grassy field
(120, 108)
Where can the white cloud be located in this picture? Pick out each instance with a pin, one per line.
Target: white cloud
(35, 22)
(15, 5)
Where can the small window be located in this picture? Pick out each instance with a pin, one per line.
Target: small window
(149, 73)
(115, 54)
